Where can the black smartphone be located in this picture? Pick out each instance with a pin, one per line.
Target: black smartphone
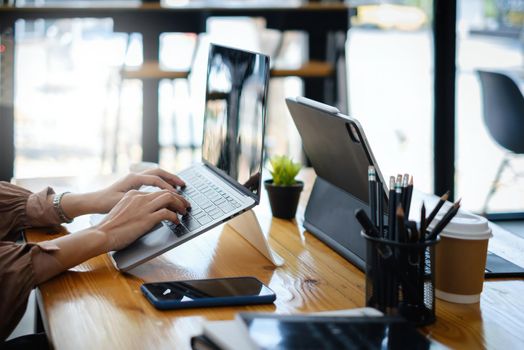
(208, 292)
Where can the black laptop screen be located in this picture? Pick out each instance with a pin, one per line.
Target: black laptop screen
(235, 114)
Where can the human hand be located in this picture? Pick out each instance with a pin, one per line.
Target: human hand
(104, 200)
(138, 212)
(162, 179)
(135, 214)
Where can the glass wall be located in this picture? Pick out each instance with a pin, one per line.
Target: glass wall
(391, 85)
(69, 97)
(75, 115)
(489, 37)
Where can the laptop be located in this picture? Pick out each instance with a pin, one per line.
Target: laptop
(227, 181)
(339, 151)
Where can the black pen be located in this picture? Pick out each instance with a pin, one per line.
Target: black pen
(413, 234)
(369, 228)
(372, 179)
(413, 264)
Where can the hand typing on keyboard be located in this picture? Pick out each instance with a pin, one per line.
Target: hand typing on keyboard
(137, 213)
(104, 200)
(209, 202)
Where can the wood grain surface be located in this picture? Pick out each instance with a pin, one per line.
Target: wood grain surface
(93, 306)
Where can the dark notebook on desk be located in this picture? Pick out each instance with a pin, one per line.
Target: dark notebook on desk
(270, 332)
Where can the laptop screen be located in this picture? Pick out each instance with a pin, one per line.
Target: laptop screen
(235, 112)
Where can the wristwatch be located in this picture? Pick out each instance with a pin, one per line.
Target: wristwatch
(57, 199)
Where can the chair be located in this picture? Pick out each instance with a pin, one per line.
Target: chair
(503, 110)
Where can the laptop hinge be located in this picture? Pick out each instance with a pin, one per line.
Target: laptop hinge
(231, 181)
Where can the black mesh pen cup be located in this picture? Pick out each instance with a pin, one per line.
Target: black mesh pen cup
(400, 278)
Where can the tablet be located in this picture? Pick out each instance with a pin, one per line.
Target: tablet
(339, 152)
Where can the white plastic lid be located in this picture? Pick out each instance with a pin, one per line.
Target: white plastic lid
(464, 226)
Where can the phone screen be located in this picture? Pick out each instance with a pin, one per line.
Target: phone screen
(186, 291)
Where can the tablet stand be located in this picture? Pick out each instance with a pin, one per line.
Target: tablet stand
(247, 226)
(330, 216)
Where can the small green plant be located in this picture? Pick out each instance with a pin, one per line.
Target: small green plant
(284, 170)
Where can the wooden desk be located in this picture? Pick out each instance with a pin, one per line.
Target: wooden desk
(326, 24)
(94, 307)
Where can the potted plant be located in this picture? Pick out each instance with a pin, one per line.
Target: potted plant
(283, 190)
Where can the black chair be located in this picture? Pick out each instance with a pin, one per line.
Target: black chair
(503, 109)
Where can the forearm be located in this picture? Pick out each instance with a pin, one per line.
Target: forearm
(74, 204)
(133, 215)
(103, 201)
(70, 250)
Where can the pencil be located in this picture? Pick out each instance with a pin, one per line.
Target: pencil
(398, 198)
(391, 207)
(405, 181)
(380, 199)
(372, 194)
(402, 236)
(393, 285)
(422, 233)
(445, 220)
(435, 210)
(409, 195)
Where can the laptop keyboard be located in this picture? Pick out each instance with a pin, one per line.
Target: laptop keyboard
(208, 202)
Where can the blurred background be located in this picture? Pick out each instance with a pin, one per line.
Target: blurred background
(77, 114)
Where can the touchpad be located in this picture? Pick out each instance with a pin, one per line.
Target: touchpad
(160, 236)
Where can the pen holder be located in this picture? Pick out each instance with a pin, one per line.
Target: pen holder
(400, 278)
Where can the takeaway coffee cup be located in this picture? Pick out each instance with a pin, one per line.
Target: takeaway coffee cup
(461, 258)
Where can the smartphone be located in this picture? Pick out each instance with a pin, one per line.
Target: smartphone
(207, 292)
